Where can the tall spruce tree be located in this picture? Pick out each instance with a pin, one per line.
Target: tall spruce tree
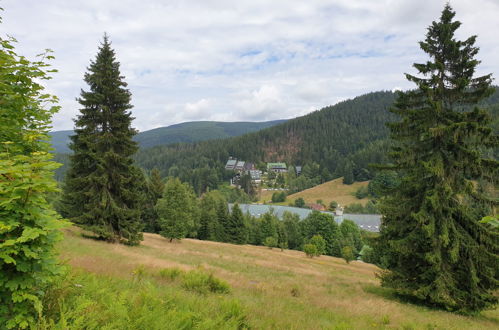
(438, 251)
(236, 230)
(103, 188)
(155, 188)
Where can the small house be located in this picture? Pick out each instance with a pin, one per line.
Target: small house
(298, 170)
(277, 167)
(231, 164)
(239, 166)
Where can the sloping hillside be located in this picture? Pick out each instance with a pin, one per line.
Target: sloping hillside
(269, 288)
(184, 132)
(333, 190)
(342, 138)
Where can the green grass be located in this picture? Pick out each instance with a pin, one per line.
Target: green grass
(88, 301)
(201, 284)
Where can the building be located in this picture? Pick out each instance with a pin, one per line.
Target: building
(249, 166)
(298, 170)
(256, 176)
(239, 166)
(231, 164)
(277, 167)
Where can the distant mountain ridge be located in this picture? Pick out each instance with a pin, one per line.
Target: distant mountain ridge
(184, 132)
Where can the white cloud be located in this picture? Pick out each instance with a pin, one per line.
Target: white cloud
(243, 60)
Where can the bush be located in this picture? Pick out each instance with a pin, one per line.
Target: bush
(279, 197)
(270, 242)
(171, 273)
(347, 254)
(203, 283)
(362, 192)
(299, 202)
(333, 205)
(310, 250)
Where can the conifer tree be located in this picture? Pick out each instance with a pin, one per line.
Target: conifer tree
(236, 229)
(438, 251)
(103, 188)
(155, 188)
(223, 218)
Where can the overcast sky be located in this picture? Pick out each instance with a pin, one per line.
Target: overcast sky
(250, 60)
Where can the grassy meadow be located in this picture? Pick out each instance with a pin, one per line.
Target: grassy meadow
(209, 285)
(333, 190)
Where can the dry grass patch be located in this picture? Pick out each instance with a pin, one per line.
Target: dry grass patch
(278, 289)
(333, 190)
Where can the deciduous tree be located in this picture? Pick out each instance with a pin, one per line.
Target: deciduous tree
(29, 227)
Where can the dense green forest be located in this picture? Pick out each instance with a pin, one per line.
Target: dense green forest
(184, 132)
(346, 137)
(339, 140)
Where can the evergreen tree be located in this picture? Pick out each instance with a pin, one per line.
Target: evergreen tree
(29, 227)
(155, 187)
(236, 230)
(439, 252)
(176, 210)
(223, 216)
(101, 191)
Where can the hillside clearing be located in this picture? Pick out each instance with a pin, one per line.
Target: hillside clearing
(277, 289)
(333, 190)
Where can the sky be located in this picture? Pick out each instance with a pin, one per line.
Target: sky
(244, 60)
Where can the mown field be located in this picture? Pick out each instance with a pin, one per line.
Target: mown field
(269, 289)
(333, 190)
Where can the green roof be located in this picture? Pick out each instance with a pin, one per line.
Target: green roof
(270, 165)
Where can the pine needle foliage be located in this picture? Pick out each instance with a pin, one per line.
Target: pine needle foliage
(29, 227)
(103, 189)
(439, 252)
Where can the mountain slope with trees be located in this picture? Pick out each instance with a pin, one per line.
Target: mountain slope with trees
(184, 132)
(338, 140)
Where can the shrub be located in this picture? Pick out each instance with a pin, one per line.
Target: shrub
(310, 250)
(203, 283)
(299, 202)
(295, 292)
(362, 192)
(347, 254)
(171, 273)
(279, 197)
(270, 242)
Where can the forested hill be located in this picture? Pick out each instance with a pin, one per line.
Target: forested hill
(341, 139)
(184, 132)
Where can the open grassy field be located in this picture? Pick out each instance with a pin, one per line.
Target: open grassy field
(333, 190)
(270, 289)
